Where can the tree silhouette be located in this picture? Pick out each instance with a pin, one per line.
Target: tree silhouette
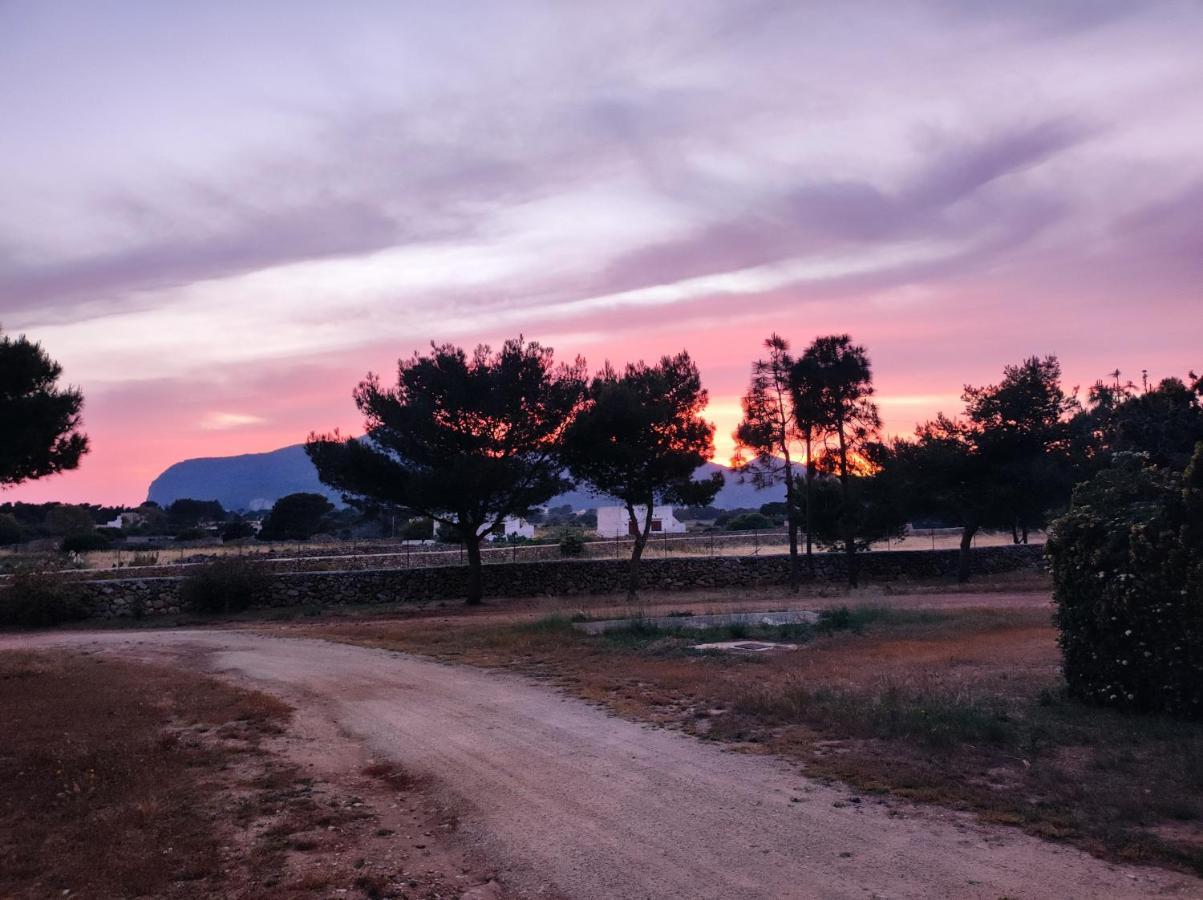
(463, 440)
(769, 438)
(294, 517)
(1021, 427)
(640, 438)
(39, 421)
(835, 378)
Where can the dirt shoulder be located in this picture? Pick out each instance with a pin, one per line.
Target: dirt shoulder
(141, 776)
(571, 800)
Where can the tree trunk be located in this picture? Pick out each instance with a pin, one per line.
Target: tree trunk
(791, 520)
(475, 573)
(641, 533)
(810, 477)
(963, 561)
(1024, 532)
(1015, 532)
(845, 493)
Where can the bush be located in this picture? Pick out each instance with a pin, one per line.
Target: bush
(752, 521)
(39, 600)
(447, 534)
(572, 543)
(236, 530)
(416, 530)
(1128, 586)
(84, 542)
(224, 585)
(11, 531)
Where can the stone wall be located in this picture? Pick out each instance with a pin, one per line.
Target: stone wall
(151, 596)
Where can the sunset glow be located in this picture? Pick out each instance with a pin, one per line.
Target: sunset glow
(220, 217)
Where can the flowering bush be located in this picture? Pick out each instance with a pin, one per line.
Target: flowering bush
(1128, 586)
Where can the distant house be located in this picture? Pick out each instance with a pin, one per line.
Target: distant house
(126, 520)
(613, 521)
(513, 525)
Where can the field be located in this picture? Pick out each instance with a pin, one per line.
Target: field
(937, 696)
(331, 554)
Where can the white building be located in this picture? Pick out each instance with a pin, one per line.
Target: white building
(514, 526)
(614, 522)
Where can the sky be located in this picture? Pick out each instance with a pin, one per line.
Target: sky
(219, 217)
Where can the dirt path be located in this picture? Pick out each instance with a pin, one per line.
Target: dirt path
(575, 802)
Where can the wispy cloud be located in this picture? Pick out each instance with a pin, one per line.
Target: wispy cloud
(955, 182)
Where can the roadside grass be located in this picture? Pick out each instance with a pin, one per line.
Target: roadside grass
(962, 707)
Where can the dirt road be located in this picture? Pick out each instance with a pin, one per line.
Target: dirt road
(571, 801)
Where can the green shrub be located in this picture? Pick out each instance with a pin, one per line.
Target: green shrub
(224, 585)
(1128, 586)
(84, 542)
(752, 521)
(416, 530)
(572, 543)
(40, 599)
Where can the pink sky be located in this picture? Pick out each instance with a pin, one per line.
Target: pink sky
(219, 219)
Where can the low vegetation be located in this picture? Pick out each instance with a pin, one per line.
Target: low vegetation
(122, 779)
(39, 599)
(105, 782)
(229, 584)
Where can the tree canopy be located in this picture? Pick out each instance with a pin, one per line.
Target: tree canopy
(296, 517)
(465, 440)
(1005, 463)
(640, 437)
(39, 421)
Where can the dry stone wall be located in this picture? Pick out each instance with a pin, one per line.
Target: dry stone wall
(156, 596)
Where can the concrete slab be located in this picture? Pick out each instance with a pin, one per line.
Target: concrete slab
(745, 646)
(685, 623)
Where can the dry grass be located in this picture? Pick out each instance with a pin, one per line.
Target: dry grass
(925, 699)
(121, 779)
(103, 770)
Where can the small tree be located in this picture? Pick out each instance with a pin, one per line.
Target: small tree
(640, 438)
(834, 380)
(39, 421)
(465, 441)
(769, 438)
(1021, 428)
(296, 517)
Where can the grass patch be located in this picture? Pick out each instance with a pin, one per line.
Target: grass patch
(105, 783)
(893, 712)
